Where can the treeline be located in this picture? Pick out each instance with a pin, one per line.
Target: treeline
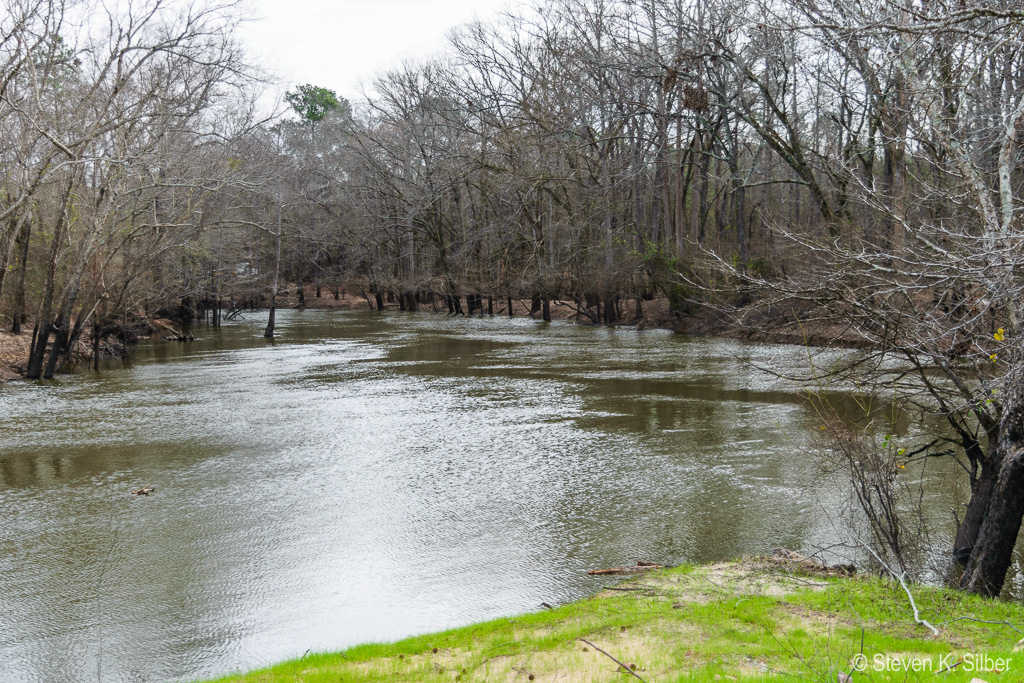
(599, 149)
(585, 151)
(118, 123)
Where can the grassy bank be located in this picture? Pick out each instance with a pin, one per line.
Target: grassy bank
(751, 620)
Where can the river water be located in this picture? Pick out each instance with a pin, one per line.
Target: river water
(370, 476)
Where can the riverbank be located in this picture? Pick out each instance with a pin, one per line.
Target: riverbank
(789, 324)
(755, 619)
(13, 354)
(779, 326)
(14, 350)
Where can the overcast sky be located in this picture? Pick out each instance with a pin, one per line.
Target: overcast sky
(337, 44)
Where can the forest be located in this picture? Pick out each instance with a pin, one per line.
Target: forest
(856, 164)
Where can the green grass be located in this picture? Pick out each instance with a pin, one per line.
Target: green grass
(731, 621)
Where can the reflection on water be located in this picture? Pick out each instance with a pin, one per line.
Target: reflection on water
(370, 476)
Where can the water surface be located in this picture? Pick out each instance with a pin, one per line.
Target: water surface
(371, 476)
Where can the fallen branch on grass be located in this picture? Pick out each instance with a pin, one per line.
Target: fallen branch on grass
(901, 578)
(628, 670)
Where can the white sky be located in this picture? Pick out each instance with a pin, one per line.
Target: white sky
(339, 44)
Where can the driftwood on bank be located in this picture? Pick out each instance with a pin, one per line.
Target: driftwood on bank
(795, 560)
(640, 568)
(173, 334)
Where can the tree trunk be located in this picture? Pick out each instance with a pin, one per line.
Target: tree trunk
(19, 285)
(546, 307)
(981, 493)
(95, 347)
(16, 224)
(76, 334)
(993, 551)
(60, 340)
(610, 312)
(44, 324)
(216, 297)
(269, 332)
(511, 313)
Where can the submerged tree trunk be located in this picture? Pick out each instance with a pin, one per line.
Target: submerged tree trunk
(76, 334)
(60, 340)
(95, 347)
(301, 292)
(611, 310)
(268, 333)
(44, 324)
(216, 297)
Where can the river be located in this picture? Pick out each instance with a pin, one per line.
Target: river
(369, 476)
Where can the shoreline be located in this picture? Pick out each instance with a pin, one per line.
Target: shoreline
(753, 619)
(13, 354)
(749, 324)
(787, 325)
